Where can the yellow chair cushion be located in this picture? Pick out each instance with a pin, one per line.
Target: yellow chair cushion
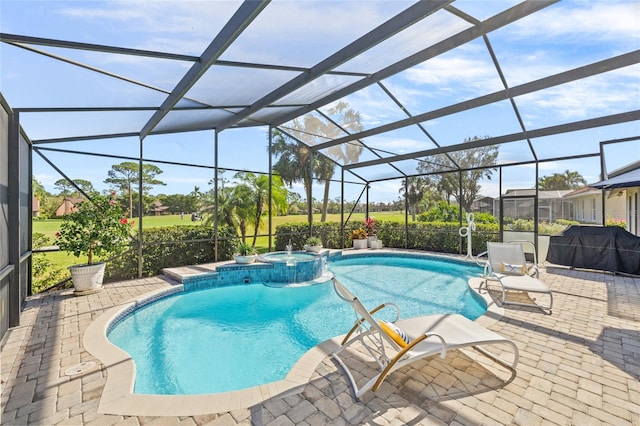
(508, 268)
(396, 333)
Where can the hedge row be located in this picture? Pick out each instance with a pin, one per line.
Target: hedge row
(172, 246)
(432, 236)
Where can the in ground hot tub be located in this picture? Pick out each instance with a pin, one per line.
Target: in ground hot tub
(295, 267)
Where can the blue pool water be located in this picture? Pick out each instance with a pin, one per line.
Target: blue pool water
(235, 337)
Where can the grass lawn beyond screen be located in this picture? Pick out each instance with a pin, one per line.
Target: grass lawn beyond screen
(49, 227)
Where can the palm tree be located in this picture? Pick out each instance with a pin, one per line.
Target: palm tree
(257, 200)
(560, 181)
(244, 207)
(292, 162)
(226, 209)
(415, 189)
(316, 129)
(574, 180)
(325, 169)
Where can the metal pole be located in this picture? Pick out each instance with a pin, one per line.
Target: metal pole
(215, 195)
(310, 200)
(536, 215)
(30, 222)
(367, 199)
(140, 236)
(501, 205)
(460, 242)
(603, 176)
(270, 188)
(406, 212)
(341, 207)
(15, 281)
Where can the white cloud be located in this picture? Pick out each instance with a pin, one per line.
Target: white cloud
(456, 72)
(603, 94)
(573, 21)
(46, 179)
(398, 145)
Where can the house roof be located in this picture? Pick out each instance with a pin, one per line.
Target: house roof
(528, 192)
(585, 190)
(624, 180)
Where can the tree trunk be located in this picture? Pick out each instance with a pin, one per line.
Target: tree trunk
(325, 201)
(257, 221)
(130, 201)
(307, 187)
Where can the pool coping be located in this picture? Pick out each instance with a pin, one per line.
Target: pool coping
(118, 397)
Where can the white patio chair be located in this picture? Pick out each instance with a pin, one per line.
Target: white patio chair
(394, 345)
(508, 267)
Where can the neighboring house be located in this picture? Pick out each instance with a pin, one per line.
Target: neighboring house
(519, 204)
(35, 207)
(482, 205)
(67, 206)
(587, 205)
(622, 196)
(157, 208)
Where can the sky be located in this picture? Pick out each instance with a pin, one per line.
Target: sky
(563, 36)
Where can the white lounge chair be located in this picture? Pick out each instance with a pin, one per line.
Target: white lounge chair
(508, 267)
(414, 339)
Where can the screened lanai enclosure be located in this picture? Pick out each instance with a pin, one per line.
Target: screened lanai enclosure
(358, 105)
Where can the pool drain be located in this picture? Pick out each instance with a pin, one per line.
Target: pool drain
(79, 368)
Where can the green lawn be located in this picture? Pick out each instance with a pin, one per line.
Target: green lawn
(49, 228)
(60, 260)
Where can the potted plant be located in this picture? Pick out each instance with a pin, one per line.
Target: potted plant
(359, 237)
(314, 244)
(371, 227)
(245, 253)
(97, 228)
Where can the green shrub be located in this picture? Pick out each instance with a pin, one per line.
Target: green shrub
(44, 273)
(522, 225)
(485, 218)
(441, 212)
(544, 228)
(436, 236)
(298, 233)
(567, 222)
(172, 246)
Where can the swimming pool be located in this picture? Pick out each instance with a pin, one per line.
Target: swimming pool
(236, 337)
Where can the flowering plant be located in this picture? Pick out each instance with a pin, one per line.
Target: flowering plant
(96, 227)
(616, 222)
(371, 226)
(359, 234)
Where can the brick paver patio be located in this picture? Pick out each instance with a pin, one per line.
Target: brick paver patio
(578, 366)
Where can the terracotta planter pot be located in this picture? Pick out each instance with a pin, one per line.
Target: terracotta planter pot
(87, 279)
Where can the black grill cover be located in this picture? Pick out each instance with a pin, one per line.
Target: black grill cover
(608, 248)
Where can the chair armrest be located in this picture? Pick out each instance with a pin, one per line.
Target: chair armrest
(390, 305)
(417, 340)
(486, 267)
